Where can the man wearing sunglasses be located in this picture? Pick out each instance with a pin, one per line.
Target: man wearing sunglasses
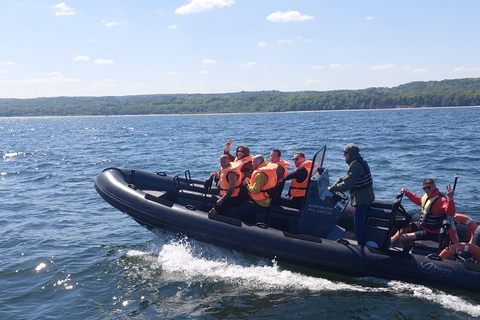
(434, 208)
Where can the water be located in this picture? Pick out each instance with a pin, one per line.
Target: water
(66, 254)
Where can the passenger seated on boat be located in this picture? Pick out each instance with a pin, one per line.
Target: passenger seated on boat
(282, 171)
(299, 178)
(242, 156)
(230, 181)
(244, 160)
(435, 207)
(264, 178)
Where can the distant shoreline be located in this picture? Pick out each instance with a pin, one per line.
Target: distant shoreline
(227, 113)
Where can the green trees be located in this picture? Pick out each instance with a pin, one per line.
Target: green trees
(457, 92)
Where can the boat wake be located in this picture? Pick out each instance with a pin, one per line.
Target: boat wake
(191, 261)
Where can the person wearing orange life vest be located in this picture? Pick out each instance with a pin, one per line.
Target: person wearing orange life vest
(264, 178)
(242, 156)
(435, 207)
(244, 160)
(282, 171)
(299, 177)
(230, 181)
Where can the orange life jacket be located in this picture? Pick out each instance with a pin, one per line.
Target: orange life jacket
(242, 162)
(224, 185)
(283, 164)
(271, 171)
(298, 189)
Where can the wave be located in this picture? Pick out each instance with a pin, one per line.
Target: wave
(187, 260)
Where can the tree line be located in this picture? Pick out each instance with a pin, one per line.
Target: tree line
(446, 93)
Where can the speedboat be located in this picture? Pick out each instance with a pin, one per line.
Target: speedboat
(319, 235)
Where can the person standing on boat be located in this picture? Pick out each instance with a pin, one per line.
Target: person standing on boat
(230, 181)
(242, 156)
(358, 181)
(282, 171)
(299, 177)
(434, 209)
(264, 179)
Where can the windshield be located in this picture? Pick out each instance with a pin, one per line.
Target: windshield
(317, 166)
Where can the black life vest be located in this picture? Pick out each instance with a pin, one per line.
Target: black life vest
(366, 179)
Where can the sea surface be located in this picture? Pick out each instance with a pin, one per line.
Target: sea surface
(67, 254)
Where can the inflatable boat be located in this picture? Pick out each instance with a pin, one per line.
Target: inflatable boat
(318, 236)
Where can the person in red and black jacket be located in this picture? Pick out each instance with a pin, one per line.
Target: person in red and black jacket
(435, 207)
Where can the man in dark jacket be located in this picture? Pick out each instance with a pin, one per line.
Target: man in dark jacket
(358, 181)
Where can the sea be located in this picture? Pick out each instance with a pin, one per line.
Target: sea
(66, 254)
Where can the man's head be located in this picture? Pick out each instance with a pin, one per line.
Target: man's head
(275, 155)
(242, 151)
(429, 186)
(257, 161)
(350, 151)
(224, 161)
(298, 159)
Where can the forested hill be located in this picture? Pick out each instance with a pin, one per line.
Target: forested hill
(458, 92)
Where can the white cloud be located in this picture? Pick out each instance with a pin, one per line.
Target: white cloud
(111, 23)
(317, 67)
(312, 81)
(93, 40)
(286, 41)
(339, 66)
(383, 66)
(261, 44)
(54, 74)
(139, 85)
(202, 72)
(369, 18)
(81, 58)
(289, 16)
(174, 26)
(463, 69)
(104, 61)
(63, 10)
(209, 61)
(173, 73)
(197, 6)
(249, 64)
(7, 63)
(420, 70)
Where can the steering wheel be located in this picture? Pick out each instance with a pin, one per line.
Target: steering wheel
(339, 195)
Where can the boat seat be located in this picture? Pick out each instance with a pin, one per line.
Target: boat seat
(378, 223)
(283, 218)
(197, 199)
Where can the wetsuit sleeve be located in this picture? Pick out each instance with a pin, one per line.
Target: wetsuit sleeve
(300, 174)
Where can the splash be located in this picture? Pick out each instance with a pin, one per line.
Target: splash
(194, 261)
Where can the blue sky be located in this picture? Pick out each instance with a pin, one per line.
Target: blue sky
(120, 47)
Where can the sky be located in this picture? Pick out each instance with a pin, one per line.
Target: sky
(129, 47)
